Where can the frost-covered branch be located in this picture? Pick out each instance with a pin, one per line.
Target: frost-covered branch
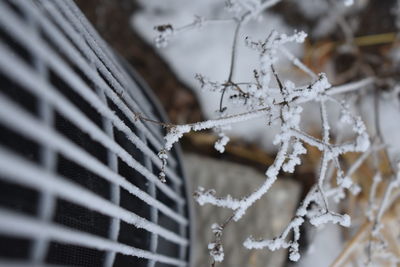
(281, 107)
(176, 132)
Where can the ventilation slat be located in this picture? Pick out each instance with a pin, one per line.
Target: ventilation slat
(34, 129)
(23, 226)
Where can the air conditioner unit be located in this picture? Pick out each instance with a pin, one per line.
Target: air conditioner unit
(78, 172)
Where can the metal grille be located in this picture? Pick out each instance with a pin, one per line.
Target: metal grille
(78, 173)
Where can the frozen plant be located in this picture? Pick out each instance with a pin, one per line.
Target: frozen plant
(280, 101)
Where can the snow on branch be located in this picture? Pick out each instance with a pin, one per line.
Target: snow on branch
(285, 108)
(280, 106)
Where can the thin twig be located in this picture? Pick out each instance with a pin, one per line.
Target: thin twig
(232, 64)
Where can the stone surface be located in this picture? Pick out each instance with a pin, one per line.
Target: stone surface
(265, 219)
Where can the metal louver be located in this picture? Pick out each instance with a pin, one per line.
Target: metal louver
(78, 173)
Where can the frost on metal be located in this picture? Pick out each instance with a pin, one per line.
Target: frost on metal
(61, 56)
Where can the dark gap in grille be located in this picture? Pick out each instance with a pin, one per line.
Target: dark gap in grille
(19, 95)
(15, 46)
(86, 80)
(19, 144)
(74, 255)
(167, 223)
(75, 98)
(167, 248)
(17, 10)
(177, 167)
(126, 171)
(81, 218)
(82, 139)
(132, 236)
(152, 148)
(174, 154)
(134, 204)
(14, 247)
(18, 198)
(161, 264)
(122, 116)
(125, 260)
(164, 220)
(162, 197)
(132, 176)
(83, 177)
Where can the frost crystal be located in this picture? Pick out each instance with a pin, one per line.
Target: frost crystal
(165, 32)
(221, 142)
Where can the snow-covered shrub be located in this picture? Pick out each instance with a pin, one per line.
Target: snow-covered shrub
(270, 95)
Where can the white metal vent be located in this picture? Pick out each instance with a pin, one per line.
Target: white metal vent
(78, 173)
